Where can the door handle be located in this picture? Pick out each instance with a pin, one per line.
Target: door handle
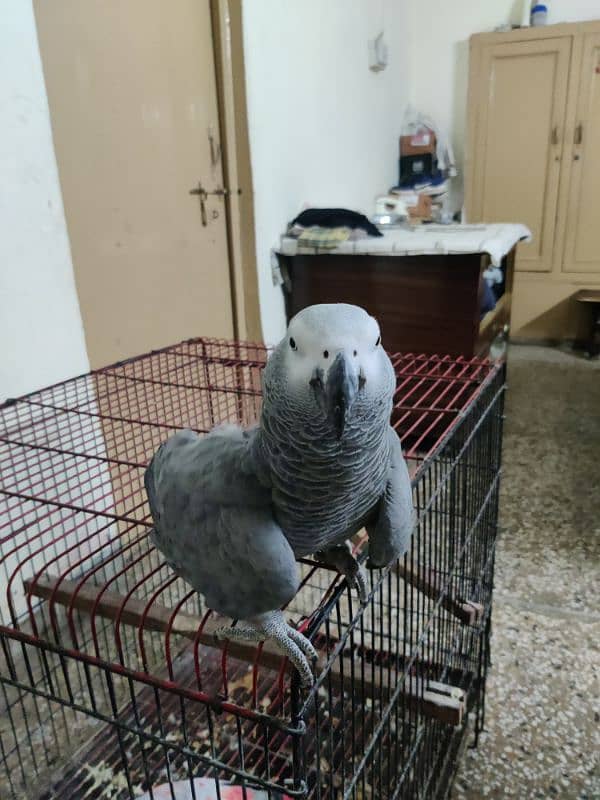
(203, 194)
(199, 190)
(578, 134)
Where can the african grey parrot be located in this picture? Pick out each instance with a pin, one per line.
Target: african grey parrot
(233, 510)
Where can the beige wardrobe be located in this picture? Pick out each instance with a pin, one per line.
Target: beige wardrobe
(533, 156)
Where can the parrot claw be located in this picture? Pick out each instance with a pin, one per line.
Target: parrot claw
(358, 581)
(272, 625)
(340, 557)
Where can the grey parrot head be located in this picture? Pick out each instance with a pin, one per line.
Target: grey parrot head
(331, 369)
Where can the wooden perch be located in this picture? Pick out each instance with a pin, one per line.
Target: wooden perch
(427, 582)
(437, 700)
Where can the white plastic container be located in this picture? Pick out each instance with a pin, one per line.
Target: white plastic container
(539, 15)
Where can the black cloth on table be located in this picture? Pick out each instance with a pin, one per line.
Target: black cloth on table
(335, 218)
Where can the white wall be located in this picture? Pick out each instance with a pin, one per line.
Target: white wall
(438, 45)
(323, 128)
(41, 335)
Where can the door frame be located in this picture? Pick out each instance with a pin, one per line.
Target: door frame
(228, 46)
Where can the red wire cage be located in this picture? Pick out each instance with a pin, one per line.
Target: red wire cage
(97, 630)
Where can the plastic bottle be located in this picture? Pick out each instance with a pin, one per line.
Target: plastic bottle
(539, 14)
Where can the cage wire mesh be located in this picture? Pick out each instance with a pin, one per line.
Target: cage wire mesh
(111, 680)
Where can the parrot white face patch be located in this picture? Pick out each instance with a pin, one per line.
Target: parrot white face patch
(318, 334)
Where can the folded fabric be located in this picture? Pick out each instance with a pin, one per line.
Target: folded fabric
(355, 234)
(335, 218)
(326, 238)
(496, 240)
(488, 298)
(294, 230)
(493, 275)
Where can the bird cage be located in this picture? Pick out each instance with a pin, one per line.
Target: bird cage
(112, 682)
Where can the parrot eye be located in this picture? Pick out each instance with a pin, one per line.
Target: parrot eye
(325, 353)
(354, 353)
(378, 342)
(293, 344)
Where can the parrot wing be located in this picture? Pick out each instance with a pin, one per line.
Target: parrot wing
(214, 523)
(391, 530)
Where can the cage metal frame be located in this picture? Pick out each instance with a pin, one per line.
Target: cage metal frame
(101, 639)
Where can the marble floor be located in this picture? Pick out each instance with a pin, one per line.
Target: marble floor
(542, 737)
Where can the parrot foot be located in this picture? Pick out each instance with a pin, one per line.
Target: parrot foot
(340, 557)
(272, 625)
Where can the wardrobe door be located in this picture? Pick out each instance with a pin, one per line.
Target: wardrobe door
(582, 235)
(520, 106)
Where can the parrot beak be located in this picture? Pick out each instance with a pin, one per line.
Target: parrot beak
(340, 392)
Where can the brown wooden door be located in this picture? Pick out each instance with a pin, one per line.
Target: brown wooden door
(521, 97)
(133, 100)
(582, 233)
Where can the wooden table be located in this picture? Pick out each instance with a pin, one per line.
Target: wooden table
(424, 303)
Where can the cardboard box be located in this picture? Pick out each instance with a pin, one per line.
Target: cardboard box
(422, 209)
(418, 144)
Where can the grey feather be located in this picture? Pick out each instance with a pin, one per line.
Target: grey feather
(214, 523)
(391, 529)
(324, 489)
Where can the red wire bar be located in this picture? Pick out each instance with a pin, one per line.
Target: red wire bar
(73, 509)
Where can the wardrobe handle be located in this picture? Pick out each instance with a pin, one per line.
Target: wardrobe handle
(554, 136)
(579, 133)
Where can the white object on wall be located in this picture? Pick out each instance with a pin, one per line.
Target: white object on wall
(40, 323)
(378, 53)
(321, 125)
